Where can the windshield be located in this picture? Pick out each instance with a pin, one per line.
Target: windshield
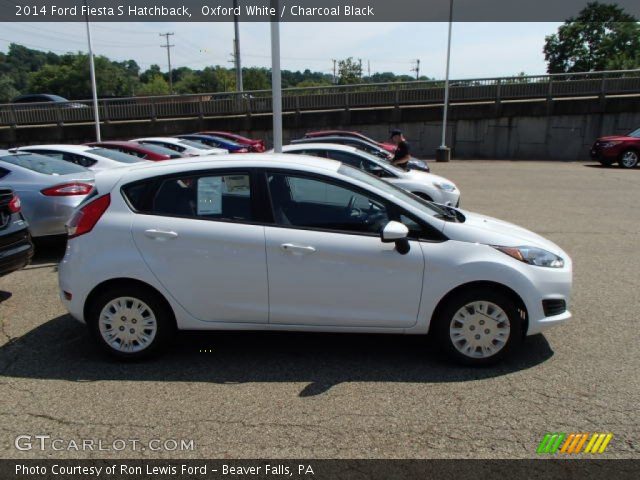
(635, 133)
(378, 161)
(115, 155)
(195, 144)
(416, 202)
(159, 150)
(43, 164)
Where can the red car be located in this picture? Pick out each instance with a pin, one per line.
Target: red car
(256, 146)
(154, 153)
(389, 147)
(623, 150)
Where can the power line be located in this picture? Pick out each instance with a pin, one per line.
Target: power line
(168, 47)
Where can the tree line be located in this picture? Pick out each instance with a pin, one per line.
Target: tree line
(601, 37)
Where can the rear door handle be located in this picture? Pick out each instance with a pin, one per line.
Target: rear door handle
(160, 234)
(300, 249)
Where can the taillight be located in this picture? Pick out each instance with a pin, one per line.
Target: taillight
(68, 189)
(14, 204)
(86, 217)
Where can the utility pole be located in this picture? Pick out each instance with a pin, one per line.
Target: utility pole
(92, 71)
(168, 47)
(335, 80)
(417, 69)
(236, 48)
(360, 63)
(368, 68)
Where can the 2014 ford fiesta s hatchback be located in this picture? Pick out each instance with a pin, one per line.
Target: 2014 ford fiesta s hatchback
(285, 242)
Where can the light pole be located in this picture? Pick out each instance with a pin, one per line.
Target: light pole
(92, 70)
(443, 154)
(276, 81)
(236, 49)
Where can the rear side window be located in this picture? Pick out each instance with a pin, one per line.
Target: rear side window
(213, 197)
(42, 164)
(152, 147)
(3, 172)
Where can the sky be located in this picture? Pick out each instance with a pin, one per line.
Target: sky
(478, 50)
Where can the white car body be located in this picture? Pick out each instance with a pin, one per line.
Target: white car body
(232, 275)
(82, 155)
(184, 147)
(427, 185)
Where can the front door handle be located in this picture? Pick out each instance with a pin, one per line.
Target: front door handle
(160, 234)
(299, 249)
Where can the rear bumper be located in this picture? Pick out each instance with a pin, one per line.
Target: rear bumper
(16, 251)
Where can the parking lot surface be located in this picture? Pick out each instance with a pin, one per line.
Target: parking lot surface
(249, 395)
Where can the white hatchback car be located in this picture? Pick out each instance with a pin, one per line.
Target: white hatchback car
(288, 242)
(423, 184)
(93, 158)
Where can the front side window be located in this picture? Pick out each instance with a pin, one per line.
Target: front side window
(213, 197)
(307, 202)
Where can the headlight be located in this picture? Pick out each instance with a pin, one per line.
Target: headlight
(444, 186)
(611, 144)
(533, 256)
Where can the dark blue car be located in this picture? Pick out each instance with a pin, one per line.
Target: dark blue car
(217, 142)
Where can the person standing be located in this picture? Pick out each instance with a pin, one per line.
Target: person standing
(402, 155)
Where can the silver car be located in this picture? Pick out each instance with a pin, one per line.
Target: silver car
(49, 189)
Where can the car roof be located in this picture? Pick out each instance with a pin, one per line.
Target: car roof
(319, 145)
(107, 179)
(62, 148)
(158, 139)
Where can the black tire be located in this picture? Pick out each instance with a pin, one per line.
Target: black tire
(164, 320)
(629, 159)
(445, 317)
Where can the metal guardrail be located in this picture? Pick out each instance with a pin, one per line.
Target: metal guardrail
(600, 84)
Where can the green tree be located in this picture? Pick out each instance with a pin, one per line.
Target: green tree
(157, 85)
(7, 89)
(256, 79)
(349, 71)
(602, 37)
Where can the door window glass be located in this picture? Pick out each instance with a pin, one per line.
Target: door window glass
(315, 203)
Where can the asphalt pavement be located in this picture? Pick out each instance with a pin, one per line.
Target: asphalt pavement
(260, 395)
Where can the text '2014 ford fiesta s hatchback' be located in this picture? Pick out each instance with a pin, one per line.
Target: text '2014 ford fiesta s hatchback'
(285, 242)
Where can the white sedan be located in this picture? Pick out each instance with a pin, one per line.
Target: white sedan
(93, 158)
(426, 185)
(186, 148)
(284, 242)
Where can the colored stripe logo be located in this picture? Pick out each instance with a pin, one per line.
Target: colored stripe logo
(574, 443)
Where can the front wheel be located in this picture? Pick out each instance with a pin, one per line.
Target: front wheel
(628, 159)
(130, 322)
(478, 327)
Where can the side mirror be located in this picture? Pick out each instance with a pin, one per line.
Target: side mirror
(396, 232)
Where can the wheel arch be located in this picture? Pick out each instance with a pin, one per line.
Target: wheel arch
(120, 282)
(522, 308)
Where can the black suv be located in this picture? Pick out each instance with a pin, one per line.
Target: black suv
(16, 248)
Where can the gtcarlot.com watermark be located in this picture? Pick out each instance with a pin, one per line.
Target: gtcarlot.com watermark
(27, 443)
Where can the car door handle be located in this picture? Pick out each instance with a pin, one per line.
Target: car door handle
(160, 234)
(290, 247)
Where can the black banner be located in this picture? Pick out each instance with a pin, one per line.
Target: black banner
(298, 10)
(582, 469)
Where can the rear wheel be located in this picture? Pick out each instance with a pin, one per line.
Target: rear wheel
(130, 323)
(478, 327)
(628, 159)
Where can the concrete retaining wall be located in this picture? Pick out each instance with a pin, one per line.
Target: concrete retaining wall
(538, 130)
